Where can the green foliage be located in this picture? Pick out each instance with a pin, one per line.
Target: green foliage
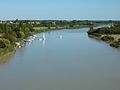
(11, 38)
(107, 38)
(4, 43)
(105, 30)
(6, 50)
(115, 44)
(91, 27)
(20, 35)
(96, 35)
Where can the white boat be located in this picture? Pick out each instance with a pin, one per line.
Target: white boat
(28, 40)
(42, 38)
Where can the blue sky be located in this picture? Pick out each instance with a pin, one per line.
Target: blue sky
(60, 9)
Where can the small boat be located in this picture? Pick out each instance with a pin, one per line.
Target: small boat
(42, 38)
(28, 40)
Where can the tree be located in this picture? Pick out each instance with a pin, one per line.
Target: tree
(4, 43)
(21, 35)
(11, 38)
(91, 27)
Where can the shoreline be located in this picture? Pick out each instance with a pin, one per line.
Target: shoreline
(5, 57)
(111, 39)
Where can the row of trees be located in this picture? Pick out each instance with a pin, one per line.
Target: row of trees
(59, 23)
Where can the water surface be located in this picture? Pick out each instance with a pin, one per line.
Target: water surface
(73, 62)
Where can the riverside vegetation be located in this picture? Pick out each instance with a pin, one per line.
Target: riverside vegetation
(109, 34)
(13, 32)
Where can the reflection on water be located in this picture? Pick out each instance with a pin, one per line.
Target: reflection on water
(64, 60)
(61, 36)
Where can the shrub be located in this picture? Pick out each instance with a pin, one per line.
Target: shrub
(107, 38)
(20, 35)
(4, 43)
(11, 38)
(115, 44)
(105, 30)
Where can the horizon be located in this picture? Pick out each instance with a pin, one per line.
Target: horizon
(59, 19)
(59, 10)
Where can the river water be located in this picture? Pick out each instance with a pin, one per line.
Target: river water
(66, 60)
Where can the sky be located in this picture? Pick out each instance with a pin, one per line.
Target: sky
(60, 9)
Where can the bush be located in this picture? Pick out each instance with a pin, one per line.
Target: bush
(105, 30)
(20, 35)
(107, 38)
(6, 50)
(11, 38)
(115, 44)
(97, 35)
(4, 43)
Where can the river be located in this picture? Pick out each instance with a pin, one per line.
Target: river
(66, 60)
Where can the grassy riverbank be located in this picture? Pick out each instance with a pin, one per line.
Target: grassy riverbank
(110, 35)
(5, 54)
